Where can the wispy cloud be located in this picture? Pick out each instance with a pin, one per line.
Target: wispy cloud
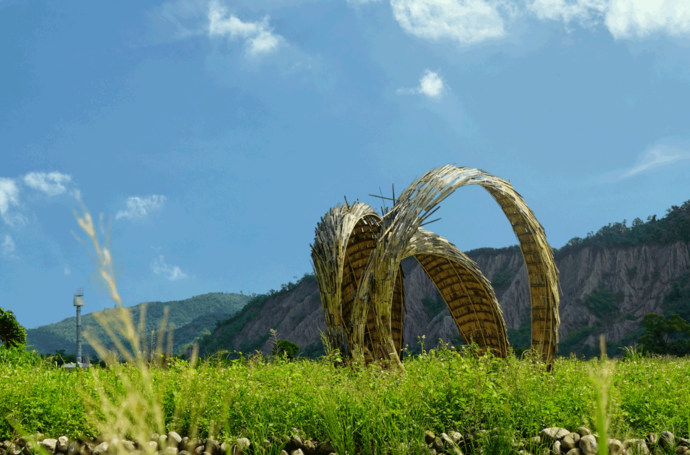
(172, 273)
(139, 207)
(8, 246)
(361, 2)
(586, 12)
(179, 19)
(657, 156)
(9, 196)
(51, 183)
(463, 21)
(258, 36)
(67, 271)
(430, 85)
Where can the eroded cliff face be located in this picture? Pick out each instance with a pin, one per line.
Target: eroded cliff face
(638, 277)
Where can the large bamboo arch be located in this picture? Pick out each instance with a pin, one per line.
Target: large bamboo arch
(364, 309)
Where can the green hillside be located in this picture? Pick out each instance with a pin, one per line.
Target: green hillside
(192, 318)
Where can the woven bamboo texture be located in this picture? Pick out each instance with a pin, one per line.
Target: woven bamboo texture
(357, 261)
(466, 291)
(355, 226)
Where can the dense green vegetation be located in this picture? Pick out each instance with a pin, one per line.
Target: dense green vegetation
(285, 347)
(361, 410)
(521, 339)
(603, 303)
(501, 278)
(487, 251)
(666, 335)
(12, 334)
(62, 335)
(678, 300)
(673, 227)
(434, 306)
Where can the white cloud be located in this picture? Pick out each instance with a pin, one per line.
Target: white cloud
(657, 156)
(7, 246)
(138, 207)
(464, 21)
(258, 36)
(67, 271)
(172, 273)
(586, 12)
(640, 18)
(430, 85)
(474, 21)
(623, 18)
(9, 196)
(50, 183)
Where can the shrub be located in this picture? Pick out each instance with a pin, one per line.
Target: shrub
(11, 333)
(285, 346)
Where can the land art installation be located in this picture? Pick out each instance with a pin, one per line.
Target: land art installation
(357, 256)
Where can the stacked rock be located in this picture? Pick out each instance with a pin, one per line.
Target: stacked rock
(550, 441)
(166, 444)
(559, 441)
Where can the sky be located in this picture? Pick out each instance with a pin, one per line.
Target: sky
(211, 136)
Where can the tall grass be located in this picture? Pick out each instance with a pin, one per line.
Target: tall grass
(359, 409)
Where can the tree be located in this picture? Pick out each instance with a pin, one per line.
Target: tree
(665, 336)
(11, 333)
(285, 346)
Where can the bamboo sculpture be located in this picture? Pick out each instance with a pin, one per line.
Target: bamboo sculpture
(357, 258)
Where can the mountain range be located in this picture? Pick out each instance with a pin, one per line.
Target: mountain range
(190, 319)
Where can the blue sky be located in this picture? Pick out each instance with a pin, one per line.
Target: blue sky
(214, 134)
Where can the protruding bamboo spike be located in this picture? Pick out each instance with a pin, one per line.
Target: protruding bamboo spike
(381, 197)
(429, 222)
(426, 216)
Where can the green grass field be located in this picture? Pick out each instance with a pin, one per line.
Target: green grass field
(361, 410)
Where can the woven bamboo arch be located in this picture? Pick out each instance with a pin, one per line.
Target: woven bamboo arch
(364, 307)
(333, 236)
(345, 238)
(467, 292)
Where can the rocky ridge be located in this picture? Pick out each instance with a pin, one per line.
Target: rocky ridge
(635, 278)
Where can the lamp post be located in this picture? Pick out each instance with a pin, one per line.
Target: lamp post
(79, 302)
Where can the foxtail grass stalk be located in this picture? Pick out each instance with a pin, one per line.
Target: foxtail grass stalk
(601, 378)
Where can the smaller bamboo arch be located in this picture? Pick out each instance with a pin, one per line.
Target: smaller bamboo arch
(467, 292)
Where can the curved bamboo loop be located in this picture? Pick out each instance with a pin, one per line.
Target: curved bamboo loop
(467, 292)
(364, 311)
(337, 228)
